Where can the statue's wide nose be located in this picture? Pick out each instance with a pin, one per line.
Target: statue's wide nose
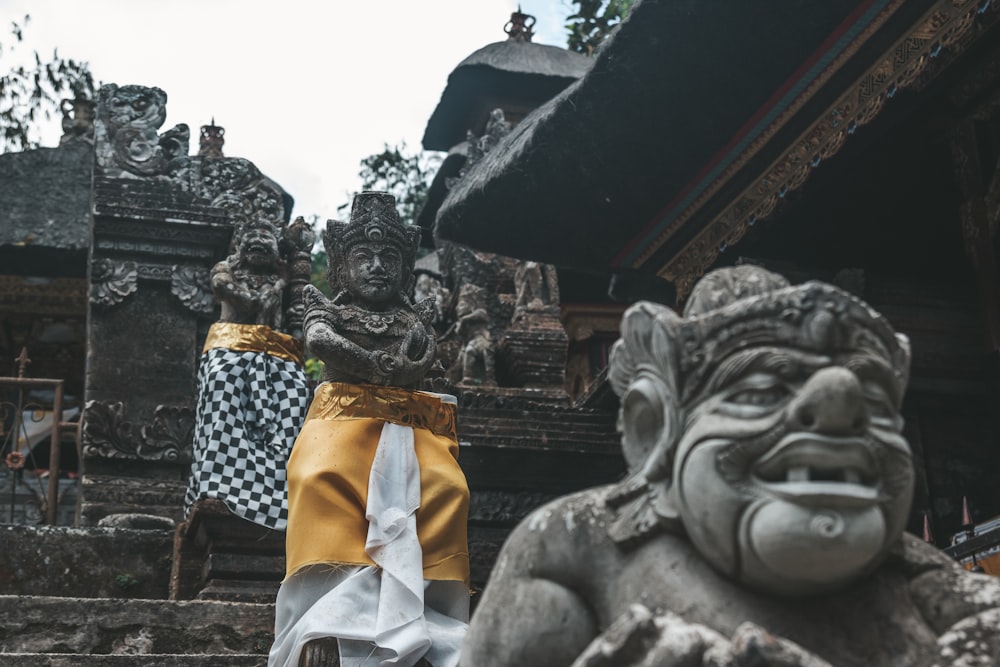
(830, 402)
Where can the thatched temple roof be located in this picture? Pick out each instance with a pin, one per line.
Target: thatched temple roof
(694, 121)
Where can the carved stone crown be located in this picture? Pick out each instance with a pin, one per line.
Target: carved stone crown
(374, 219)
(257, 223)
(814, 317)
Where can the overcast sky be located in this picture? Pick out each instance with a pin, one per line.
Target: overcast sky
(304, 88)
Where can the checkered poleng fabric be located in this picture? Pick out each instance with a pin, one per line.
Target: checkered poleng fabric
(251, 407)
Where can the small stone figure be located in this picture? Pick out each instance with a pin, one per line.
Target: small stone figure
(537, 287)
(478, 357)
(377, 559)
(252, 390)
(428, 286)
(248, 284)
(762, 520)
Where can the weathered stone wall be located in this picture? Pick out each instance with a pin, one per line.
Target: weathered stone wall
(85, 563)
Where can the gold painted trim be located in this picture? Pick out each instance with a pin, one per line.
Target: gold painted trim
(253, 338)
(416, 409)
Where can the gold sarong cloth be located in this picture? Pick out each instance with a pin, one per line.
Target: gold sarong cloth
(328, 475)
(253, 338)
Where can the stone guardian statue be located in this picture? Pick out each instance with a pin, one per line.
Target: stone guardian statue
(377, 557)
(252, 390)
(762, 520)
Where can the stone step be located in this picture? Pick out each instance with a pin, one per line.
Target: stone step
(147, 660)
(89, 626)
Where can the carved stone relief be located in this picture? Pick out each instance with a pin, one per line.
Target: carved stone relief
(111, 282)
(107, 433)
(190, 284)
(127, 143)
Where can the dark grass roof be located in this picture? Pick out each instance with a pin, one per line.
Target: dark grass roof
(512, 70)
(45, 197)
(580, 176)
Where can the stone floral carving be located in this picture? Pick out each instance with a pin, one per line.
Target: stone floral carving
(127, 143)
(764, 511)
(192, 286)
(169, 437)
(111, 282)
(108, 434)
(238, 186)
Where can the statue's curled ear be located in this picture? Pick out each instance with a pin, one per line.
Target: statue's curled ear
(643, 372)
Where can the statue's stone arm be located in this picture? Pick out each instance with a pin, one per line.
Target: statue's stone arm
(270, 304)
(344, 356)
(530, 615)
(229, 291)
(948, 595)
(350, 361)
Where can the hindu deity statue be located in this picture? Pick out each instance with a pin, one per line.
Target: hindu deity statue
(253, 393)
(762, 521)
(376, 548)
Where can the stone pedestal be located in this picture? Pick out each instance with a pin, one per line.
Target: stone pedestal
(533, 349)
(220, 556)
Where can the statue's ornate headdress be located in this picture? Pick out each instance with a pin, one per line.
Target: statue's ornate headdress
(744, 307)
(241, 229)
(374, 219)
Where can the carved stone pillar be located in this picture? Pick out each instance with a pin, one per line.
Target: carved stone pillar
(161, 220)
(150, 305)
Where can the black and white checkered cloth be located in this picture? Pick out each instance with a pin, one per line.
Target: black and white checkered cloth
(251, 407)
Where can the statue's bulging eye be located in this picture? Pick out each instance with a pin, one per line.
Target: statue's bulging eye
(755, 395)
(759, 396)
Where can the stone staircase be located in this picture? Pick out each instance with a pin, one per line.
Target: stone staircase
(42, 630)
(120, 614)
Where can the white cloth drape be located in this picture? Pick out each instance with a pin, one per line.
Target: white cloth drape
(382, 616)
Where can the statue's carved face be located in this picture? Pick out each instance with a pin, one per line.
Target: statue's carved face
(373, 272)
(259, 249)
(792, 475)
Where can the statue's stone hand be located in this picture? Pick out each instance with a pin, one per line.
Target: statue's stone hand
(972, 641)
(312, 297)
(753, 645)
(641, 639)
(415, 343)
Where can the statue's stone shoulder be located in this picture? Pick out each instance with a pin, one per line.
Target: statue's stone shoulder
(557, 535)
(944, 592)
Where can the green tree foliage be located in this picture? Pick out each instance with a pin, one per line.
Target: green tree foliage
(406, 176)
(30, 94)
(593, 21)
